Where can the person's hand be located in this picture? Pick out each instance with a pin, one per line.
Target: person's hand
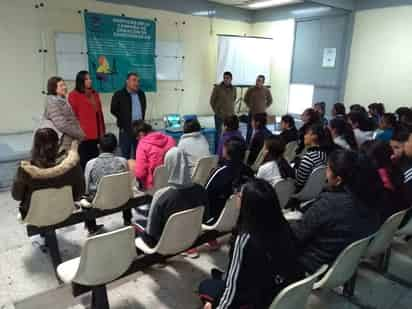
(208, 306)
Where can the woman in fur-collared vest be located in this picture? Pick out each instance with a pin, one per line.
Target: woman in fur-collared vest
(47, 170)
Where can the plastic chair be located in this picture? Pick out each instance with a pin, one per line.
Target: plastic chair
(160, 178)
(259, 160)
(227, 219)
(290, 151)
(103, 259)
(112, 192)
(313, 186)
(203, 169)
(380, 245)
(247, 153)
(343, 270)
(284, 190)
(406, 230)
(296, 295)
(180, 232)
(50, 206)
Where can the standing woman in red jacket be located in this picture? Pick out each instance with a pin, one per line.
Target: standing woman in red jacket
(87, 107)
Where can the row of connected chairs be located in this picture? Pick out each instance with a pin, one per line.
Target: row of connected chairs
(96, 267)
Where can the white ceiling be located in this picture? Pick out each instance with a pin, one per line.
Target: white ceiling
(244, 3)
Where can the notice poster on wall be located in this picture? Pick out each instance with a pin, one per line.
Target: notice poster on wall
(118, 45)
(329, 58)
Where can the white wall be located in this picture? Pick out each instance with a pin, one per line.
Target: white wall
(380, 66)
(22, 70)
(283, 33)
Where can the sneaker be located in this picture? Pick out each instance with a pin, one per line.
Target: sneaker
(213, 245)
(191, 253)
(96, 230)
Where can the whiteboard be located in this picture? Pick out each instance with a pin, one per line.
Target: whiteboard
(71, 57)
(169, 60)
(71, 54)
(245, 57)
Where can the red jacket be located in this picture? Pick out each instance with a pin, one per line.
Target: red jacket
(150, 153)
(91, 121)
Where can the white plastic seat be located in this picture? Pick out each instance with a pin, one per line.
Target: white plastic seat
(160, 178)
(290, 151)
(295, 296)
(313, 186)
(104, 258)
(113, 191)
(385, 234)
(203, 169)
(50, 206)
(259, 160)
(284, 190)
(180, 232)
(345, 265)
(227, 219)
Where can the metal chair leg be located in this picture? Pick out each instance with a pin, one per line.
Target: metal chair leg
(99, 297)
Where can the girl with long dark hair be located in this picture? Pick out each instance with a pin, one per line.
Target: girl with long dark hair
(87, 107)
(347, 211)
(274, 167)
(47, 170)
(342, 134)
(264, 258)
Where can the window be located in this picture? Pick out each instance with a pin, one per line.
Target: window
(300, 98)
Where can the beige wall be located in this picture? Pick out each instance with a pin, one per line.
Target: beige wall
(380, 66)
(283, 33)
(22, 69)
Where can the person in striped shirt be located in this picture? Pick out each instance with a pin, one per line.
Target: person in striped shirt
(264, 258)
(319, 143)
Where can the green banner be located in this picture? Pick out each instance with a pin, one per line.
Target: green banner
(118, 45)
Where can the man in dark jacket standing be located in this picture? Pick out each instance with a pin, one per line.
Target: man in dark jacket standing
(128, 105)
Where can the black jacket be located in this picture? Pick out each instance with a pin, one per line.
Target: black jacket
(121, 108)
(256, 144)
(257, 274)
(333, 222)
(222, 184)
(167, 202)
(289, 135)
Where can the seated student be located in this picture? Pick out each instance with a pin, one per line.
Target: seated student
(180, 194)
(398, 140)
(342, 134)
(380, 154)
(263, 259)
(230, 129)
(387, 124)
(309, 117)
(320, 108)
(362, 127)
(228, 177)
(376, 111)
(46, 170)
(404, 116)
(406, 168)
(357, 108)
(289, 132)
(346, 212)
(193, 143)
(260, 132)
(274, 167)
(150, 152)
(339, 110)
(105, 164)
(319, 144)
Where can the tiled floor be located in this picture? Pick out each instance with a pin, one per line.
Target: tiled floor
(28, 280)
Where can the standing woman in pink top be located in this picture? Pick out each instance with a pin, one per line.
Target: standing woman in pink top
(151, 150)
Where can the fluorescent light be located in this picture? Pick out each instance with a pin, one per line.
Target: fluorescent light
(271, 3)
(311, 11)
(204, 13)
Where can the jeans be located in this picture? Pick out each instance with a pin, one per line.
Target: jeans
(249, 129)
(218, 126)
(127, 145)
